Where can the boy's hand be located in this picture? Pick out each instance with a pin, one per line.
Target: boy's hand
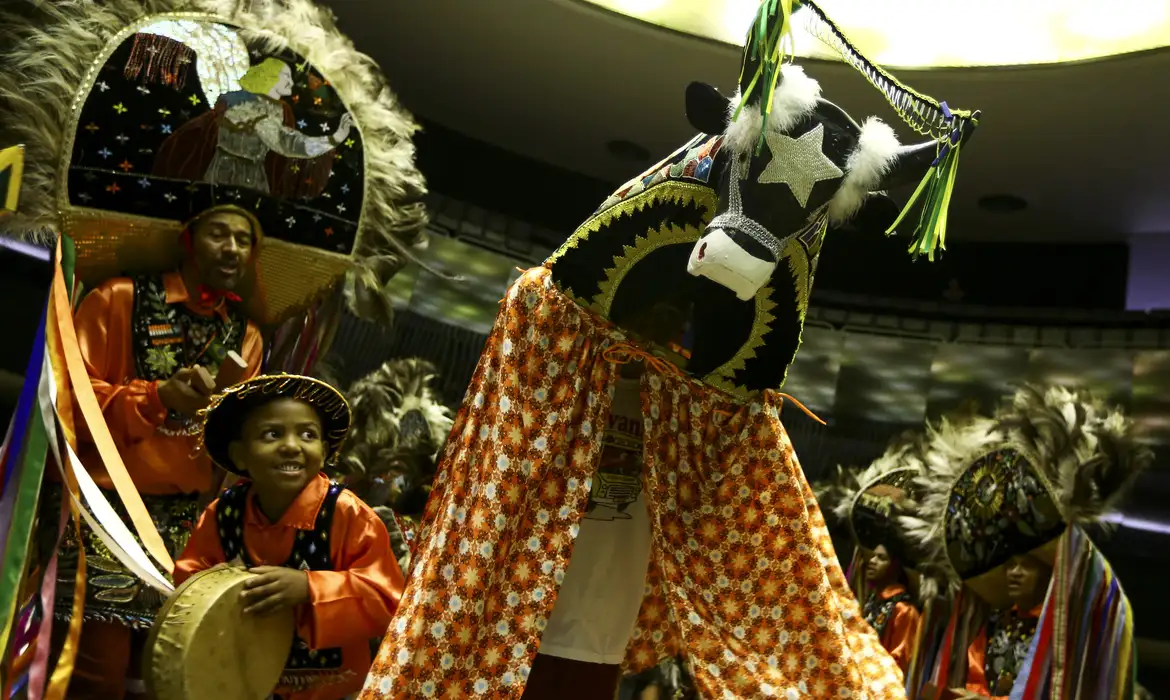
(275, 588)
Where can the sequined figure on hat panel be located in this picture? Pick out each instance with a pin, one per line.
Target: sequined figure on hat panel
(185, 116)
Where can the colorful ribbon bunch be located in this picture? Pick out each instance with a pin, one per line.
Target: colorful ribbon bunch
(57, 392)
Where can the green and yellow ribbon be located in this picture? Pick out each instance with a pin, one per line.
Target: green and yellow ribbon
(770, 43)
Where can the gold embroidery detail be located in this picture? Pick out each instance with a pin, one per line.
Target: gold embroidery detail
(668, 191)
(643, 245)
(804, 291)
(799, 268)
(799, 262)
(124, 596)
(722, 376)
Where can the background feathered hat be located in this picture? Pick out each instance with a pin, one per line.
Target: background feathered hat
(399, 427)
(871, 502)
(121, 108)
(994, 488)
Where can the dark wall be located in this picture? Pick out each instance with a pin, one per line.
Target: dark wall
(991, 274)
(1087, 276)
(24, 285)
(501, 181)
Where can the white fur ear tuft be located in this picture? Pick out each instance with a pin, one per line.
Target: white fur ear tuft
(876, 149)
(743, 134)
(795, 97)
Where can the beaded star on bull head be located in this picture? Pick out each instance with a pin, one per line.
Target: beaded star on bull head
(729, 227)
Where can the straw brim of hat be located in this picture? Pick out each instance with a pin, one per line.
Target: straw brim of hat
(227, 412)
(992, 585)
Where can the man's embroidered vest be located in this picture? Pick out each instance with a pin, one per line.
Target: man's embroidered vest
(168, 337)
(1009, 636)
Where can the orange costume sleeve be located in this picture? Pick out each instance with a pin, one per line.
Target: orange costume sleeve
(203, 550)
(158, 463)
(252, 351)
(901, 634)
(358, 598)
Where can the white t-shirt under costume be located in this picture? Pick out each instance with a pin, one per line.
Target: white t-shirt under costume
(599, 600)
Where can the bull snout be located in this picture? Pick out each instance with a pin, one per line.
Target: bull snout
(719, 257)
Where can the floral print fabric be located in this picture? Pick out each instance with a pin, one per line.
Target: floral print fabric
(748, 577)
(743, 579)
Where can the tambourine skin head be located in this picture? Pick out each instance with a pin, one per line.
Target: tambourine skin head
(202, 646)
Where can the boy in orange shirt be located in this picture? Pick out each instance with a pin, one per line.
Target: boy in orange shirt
(313, 546)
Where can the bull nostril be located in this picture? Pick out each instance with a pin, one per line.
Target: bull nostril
(702, 251)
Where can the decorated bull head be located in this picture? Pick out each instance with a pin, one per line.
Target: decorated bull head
(815, 164)
(708, 228)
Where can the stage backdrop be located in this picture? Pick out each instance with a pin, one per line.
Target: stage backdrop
(858, 369)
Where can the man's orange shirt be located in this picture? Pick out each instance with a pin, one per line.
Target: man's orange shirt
(158, 464)
(901, 634)
(348, 606)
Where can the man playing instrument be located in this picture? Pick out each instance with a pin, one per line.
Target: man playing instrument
(150, 344)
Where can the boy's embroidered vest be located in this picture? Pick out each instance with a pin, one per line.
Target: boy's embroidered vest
(878, 612)
(310, 552)
(168, 337)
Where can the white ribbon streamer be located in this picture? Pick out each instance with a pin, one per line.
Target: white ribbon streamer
(104, 521)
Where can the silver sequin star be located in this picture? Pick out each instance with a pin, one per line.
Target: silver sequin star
(799, 163)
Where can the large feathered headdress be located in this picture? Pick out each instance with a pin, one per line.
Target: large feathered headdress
(398, 430)
(1003, 487)
(872, 502)
(399, 426)
(139, 115)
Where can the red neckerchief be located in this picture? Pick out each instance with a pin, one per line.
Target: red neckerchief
(212, 298)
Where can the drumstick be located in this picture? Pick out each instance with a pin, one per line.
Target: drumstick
(204, 377)
(231, 371)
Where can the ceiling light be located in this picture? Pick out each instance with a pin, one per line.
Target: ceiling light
(914, 34)
(634, 7)
(1119, 20)
(738, 15)
(1161, 528)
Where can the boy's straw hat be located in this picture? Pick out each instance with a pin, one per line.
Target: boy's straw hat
(228, 410)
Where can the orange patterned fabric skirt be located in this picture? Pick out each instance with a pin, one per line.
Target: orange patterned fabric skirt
(743, 579)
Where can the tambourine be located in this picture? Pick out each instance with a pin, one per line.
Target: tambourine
(202, 646)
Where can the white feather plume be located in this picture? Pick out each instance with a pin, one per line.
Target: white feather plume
(795, 98)
(876, 149)
(1086, 452)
